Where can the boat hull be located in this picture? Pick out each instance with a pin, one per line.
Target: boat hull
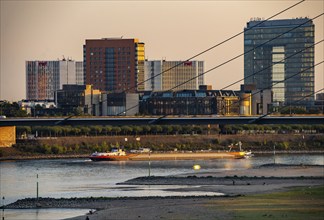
(187, 156)
(110, 158)
(238, 155)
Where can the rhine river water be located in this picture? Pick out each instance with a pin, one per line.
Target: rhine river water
(84, 178)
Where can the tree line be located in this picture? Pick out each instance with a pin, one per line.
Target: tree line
(63, 131)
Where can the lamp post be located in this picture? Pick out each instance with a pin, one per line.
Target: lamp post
(149, 171)
(37, 185)
(274, 153)
(3, 206)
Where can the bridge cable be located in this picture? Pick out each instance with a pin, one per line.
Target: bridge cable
(216, 45)
(234, 58)
(208, 49)
(284, 59)
(283, 107)
(269, 87)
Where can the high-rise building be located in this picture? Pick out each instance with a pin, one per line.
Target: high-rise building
(161, 75)
(114, 64)
(291, 78)
(79, 73)
(43, 78)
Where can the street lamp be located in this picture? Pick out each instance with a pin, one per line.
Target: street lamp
(37, 185)
(149, 174)
(274, 154)
(3, 206)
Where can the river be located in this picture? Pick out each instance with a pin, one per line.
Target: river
(84, 178)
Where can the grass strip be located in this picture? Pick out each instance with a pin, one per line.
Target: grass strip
(297, 203)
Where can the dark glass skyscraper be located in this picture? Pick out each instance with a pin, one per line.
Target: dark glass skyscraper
(264, 65)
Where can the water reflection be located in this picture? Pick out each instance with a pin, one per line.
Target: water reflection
(83, 178)
(238, 164)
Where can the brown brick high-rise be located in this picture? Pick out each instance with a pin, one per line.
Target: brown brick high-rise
(114, 64)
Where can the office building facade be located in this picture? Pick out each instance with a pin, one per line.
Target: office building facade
(79, 73)
(114, 64)
(82, 98)
(162, 75)
(43, 78)
(190, 102)
(284, 64)
(120, 104)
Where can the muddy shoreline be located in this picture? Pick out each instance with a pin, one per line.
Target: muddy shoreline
(233, 183)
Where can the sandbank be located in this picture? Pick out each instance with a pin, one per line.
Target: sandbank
(232, 183)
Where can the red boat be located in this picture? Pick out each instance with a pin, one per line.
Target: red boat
(115, 154)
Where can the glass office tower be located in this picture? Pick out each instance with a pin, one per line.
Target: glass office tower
(291, 80)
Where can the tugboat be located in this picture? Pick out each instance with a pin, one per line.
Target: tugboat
(239, 154)
(115, 154)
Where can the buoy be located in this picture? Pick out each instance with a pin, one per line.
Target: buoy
(196, 167)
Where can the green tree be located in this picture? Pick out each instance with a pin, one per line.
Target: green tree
(12, 110)
(167, 129)
(216, 130)
(186, 129)
(116, 130)
(95, 130)
(176, 129)
(23, 130)
(66, 130)
(137, 130)
(85, 130)
(57, 130)
(146, 129)
(126, 130)
(319, 128)
(156, 129)
(76, 131)
(37, 131)
(106, 129)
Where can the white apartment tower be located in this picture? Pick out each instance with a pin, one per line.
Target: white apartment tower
(79, 72)
(43, 78)
(161, 75)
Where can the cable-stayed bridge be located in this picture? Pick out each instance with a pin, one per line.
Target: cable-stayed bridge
(168, 120)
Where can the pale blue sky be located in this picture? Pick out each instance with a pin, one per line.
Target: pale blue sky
(175, 30)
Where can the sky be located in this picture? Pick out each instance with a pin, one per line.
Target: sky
(172, 30)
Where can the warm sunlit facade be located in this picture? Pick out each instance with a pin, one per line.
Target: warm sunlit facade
(114, 64)
(43, 78)
(285, 64)
(191, 102)
(162, 75)
(7, 136)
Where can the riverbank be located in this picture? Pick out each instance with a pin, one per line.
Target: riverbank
(265, 183)
(85, 145)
